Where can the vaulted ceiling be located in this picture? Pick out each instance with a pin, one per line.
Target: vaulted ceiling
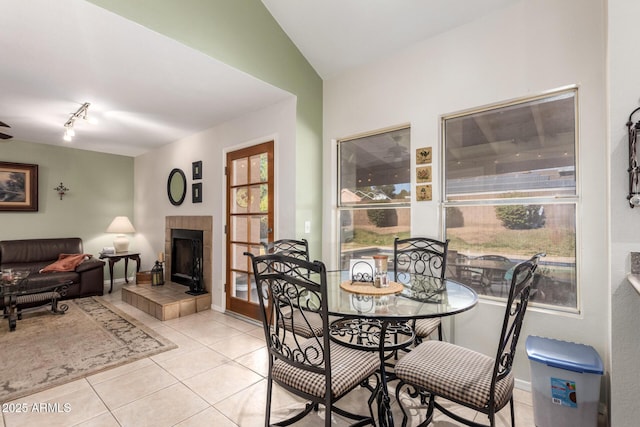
(55, 55)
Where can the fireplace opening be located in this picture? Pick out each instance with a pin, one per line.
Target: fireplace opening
(186, 260)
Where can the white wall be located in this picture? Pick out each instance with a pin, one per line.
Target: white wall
(528, 48)
(624, 95)
(152, 170)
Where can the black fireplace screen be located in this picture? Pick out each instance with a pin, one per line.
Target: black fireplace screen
(186, 259)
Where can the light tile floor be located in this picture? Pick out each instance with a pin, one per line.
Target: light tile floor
(216, 377)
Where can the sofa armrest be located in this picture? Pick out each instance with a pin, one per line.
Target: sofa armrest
(89, 264)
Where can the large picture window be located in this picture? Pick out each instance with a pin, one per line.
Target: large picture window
(374, 197)
(510, 192)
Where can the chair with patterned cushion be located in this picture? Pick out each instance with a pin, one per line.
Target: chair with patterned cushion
(440, 370)
(423, 256)
(297, 249)
(315, 368)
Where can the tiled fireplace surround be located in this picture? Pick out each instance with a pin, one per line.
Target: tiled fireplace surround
(170, 300)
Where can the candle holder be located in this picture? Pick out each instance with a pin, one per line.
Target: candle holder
(157, 274)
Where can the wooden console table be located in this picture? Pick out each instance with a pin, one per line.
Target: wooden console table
(113, 258)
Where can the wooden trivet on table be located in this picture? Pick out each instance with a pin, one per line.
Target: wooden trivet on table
(367, 288)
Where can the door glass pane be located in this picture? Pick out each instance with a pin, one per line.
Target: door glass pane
(259, 164)
(256, 229)
(239, 200)
(239, 261)
(239, 284)
(253, 295)
(239, 228)
(240, 172)
(255, 250)
(259, 198)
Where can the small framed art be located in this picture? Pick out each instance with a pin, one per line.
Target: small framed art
(423, 193)
(423, 155)
(196, 193)
(18, 187)
(196, 169)
(423, 174)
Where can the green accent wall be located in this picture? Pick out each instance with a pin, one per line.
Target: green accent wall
(244, 35)
(100, 188)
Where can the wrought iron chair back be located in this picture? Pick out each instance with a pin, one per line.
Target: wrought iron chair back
(419, 255)
(290, 247)
(286, 289)
(425, 257)
(517, 301)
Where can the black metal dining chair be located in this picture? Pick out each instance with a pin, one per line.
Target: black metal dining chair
(296, 249)
(314, 368)
(437, 369)
(421, 256)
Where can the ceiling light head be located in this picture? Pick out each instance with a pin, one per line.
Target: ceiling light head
(69, 132)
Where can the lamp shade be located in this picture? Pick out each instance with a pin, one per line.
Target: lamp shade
(121, 224)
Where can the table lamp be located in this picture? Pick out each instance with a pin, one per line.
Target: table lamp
(121, 225)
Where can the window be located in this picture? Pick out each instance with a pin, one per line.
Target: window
(374, 197)
(510, 192)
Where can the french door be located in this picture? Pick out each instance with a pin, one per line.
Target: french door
(249, 222)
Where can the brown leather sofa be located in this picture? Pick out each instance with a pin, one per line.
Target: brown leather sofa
(35, 254)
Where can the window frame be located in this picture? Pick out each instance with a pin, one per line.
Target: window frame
(574, 199)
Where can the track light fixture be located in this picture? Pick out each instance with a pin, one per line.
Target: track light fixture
(82, 112)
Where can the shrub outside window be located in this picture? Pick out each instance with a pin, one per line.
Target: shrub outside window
(374, 197)
(510, 192)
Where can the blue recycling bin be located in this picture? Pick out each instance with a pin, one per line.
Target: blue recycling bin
(565, 382)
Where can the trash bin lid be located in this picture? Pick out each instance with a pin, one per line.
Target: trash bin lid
(564, 355)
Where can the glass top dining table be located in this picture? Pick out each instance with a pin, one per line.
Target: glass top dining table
(381, 319)
(417, 297)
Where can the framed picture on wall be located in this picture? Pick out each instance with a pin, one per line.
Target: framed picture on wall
(423, 174)
(423, 155)
(196, 169)
(196, 193)
(18, 187)
(423, 193)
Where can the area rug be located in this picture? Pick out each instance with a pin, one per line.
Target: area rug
(47, 350)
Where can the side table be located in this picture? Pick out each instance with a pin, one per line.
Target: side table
(113, 258)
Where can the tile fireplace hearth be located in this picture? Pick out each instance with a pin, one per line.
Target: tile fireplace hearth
(165, 302)
(171, 300)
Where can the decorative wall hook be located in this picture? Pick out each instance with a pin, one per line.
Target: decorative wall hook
(61, 189)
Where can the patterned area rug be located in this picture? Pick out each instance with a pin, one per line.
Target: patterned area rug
(47, 350)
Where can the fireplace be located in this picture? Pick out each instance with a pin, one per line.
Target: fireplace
(187, 259)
